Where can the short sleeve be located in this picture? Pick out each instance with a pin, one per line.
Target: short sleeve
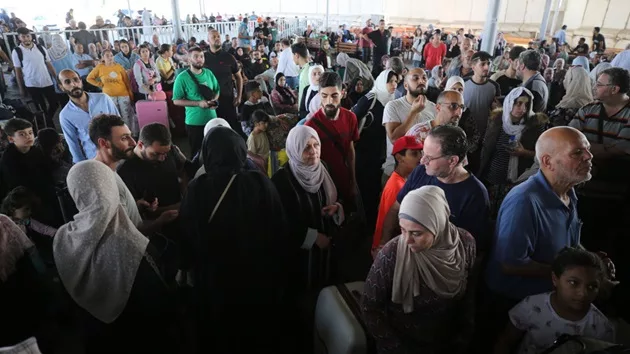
(179, 93)
(520, 314)
(16, 60)
(516, 234)
(354, 127)
(47, 55)
(233, 65)
(389, 114)
(578, 121)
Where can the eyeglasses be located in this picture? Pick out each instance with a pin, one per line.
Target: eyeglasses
(453, 106)
(599, 84)
(427, 159)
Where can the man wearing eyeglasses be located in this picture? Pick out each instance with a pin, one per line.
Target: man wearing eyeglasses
(449, 107)
(442, 165)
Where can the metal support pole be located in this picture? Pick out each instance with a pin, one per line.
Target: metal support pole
(177, 20)
(129, 9)
(327, 14)
(490, 28)
(554, 22)
(545, 21)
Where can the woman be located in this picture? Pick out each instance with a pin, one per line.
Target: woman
(146, 74)
(112, 78)
(283, 98)
(166, 66)
(324, 58)
(455, 83)
(357, 90)
(583, 62)
(559, 64)
(370, 149)
(466, 122)
(418, 296)
(509, 144)
(579, 93)
(127, 306)
(56, 153)
(126, 57)
(310, 99)
(453, 50)
(437, 75)
(418, 44)
(61, 59)
(236, 243)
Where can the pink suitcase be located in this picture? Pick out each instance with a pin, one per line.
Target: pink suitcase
(152, 112)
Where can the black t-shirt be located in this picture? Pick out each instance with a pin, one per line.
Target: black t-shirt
(507, 84)
(223, 66)
(148, 179)
(599, 42)
(380, 40)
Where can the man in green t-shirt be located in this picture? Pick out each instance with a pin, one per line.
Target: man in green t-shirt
(300, 58)
(186, 92)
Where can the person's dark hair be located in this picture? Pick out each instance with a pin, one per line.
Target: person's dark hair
(18, 198)
(259, 116)
(103, 53)
(392, 74)
(597, 29)
(402, 152)
(583, 39)
(123, 41)
(618, 77)
(300, 49)
(101, 127)
(452, 140)
(192, 39)
(531, 59)
(47, 139)
(143, 46)
(330, 79)
(195, 49)
(251, 86)
(285, 42)
(81, 25)
(564, 27)
(515, 52)
(570, 257)
(23, 30)
(155, 132)
(481, 56)
(397, 65)
(13, 125)
(164, 48)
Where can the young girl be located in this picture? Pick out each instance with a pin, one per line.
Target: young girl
(257, 142)
(539, 320)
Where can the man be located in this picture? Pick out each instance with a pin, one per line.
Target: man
(480, 93)
(581, 49)
(403, 113)
(379, 39)
(407, 152)
(102, 29)
(227, 44)
(243, 36)
(449, 108)
(114, 143)
(561, 35)
(337, 129)
(83, 36)
(539, 217)
(529, 63)
(227, 73)
(75, 117)
(460, 66)
(156, 169)
(364, 41)
(599, 42)
(507, 79)
(199, 109)
(442, 165)
(300, 58)
(34, 73)
(287, 66)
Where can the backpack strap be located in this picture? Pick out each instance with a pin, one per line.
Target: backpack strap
(20, 54)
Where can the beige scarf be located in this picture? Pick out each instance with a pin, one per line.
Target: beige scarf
(442, 266)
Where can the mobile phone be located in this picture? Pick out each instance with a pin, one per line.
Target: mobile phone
(213, 103)
(148, 197)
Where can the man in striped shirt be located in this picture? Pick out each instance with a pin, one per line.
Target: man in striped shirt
(606, 123)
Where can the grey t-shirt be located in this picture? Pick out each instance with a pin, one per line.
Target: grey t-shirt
(128, 202)
(478, 99)
(538, 86)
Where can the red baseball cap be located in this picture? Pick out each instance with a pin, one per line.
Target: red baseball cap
(406, 143)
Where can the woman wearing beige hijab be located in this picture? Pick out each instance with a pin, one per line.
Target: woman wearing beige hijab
(417, 296)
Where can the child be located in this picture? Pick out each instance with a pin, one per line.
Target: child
(258, 143)
(539, 320)
(18, 205)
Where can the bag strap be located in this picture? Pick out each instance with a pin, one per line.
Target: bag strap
(194, 79)
(216, 207)
(330, 136)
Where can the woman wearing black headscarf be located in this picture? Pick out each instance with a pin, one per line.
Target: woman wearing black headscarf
(284, 100)
(235, 244)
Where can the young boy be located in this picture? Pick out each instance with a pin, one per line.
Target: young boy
(258, 143)
(538, 320)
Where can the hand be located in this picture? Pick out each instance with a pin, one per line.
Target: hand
(168, 216)
(418, 104)
(203, 104)
(237, 101)
(610, 266)
(148, 206)
(330, 210)
(518, 150)
(322, 241)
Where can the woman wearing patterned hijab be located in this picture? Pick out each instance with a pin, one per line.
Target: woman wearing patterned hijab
(417, 298)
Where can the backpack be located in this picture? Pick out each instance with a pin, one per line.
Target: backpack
(20, 55)
(368, 118)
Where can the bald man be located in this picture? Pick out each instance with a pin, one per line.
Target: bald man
(538, 218)
(403, 113)
(75, 117)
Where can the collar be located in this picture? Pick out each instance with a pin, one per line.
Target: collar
(540, 179)
(70, 102)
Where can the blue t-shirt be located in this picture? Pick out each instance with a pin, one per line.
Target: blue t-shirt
(468, 201)
(533, 225)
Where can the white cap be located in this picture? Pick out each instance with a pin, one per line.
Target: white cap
(215, 122)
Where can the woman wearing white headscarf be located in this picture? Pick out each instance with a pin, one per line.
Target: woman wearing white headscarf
(581, 61)
(466, 122)
(509, 144)
(371, 149)
(417, 296)
(437, 75)
(310, 95)
(579, 92)
(106, 266)
(61, 59)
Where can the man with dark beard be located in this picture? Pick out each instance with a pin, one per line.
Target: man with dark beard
(224, 67)
(338, 130)
(403, 113)
(75, 117)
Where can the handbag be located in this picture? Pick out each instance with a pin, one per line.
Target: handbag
(206, 92)
(574, 344)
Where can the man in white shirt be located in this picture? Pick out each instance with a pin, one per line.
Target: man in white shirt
(34, 73)
(286, 65)
(403, 113)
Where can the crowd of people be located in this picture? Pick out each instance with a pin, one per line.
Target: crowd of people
(450, 187)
